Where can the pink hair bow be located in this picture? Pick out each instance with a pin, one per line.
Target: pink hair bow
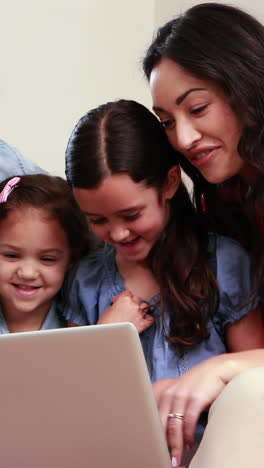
(9, 186)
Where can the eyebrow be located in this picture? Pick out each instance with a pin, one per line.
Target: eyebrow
(51, 251)
(181, 98)
(9, 246)
(126, 210)
(15, 247)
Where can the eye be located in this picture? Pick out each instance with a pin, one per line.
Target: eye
(47, 259)
(167, 124)
(199, 110)
(97, 220)
(132, 216)
(10, 255)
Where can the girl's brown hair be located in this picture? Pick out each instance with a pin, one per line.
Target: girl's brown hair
(54, 196)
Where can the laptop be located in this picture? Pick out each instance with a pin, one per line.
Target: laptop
(78, 398)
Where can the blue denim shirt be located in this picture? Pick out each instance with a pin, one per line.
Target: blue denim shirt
(12, 163)
(93, 283)
(53, 319)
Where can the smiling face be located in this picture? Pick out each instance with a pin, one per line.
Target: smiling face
(34, 256)
(128, 215)
(198, 120)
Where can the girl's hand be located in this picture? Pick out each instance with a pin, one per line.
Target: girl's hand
(128, 308)
(190, 395)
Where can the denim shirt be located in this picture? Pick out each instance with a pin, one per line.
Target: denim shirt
(93, 283)
(53, 319)
(12, 163)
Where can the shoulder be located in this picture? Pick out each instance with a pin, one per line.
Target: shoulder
(233, 272)
(228, 253)
(89, 287)
(94, 266)
(91, 276)
(3, 324)
(232, 258)
(233, 276)
(54, 318)
(224, 244)
(12, 162)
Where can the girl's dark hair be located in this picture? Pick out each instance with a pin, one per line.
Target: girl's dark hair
(52, 195)
(124, 137)
(226, 45)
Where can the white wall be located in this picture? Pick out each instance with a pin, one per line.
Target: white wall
(167, 9)
(60, 58)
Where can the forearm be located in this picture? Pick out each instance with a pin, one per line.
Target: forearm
(196, 390)
(233, 364)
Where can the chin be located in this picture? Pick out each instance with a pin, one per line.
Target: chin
(217, 178)
(137, 257)
(225, 171)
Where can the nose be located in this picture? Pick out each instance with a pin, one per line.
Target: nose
(186, 135)
(27, 270)
(118, 232)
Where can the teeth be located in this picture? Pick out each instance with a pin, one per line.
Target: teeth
(128, 242)
(26, 287)
(201, 155)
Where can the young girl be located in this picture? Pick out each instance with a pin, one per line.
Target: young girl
(125, 177)
(42, 232)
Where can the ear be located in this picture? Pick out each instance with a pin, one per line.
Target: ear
(173, 182)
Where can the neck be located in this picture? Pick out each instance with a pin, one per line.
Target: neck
(138, 278)
(127, 265)
(123, 262)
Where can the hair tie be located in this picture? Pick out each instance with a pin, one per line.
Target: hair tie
(9, 186)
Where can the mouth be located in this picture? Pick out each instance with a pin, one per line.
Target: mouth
(200, 157)
(25, 289)
(128, 245)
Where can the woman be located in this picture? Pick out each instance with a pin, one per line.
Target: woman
(205, 70)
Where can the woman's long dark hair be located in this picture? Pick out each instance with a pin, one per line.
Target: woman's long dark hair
(226, 45)
(124, 137)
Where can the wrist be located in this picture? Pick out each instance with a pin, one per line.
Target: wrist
(232, 364)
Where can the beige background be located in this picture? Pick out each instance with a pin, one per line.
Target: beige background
(60, 58)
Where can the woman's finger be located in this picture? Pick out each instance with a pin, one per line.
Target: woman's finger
(163, 403)
(175, 435)
(193, 412)
(171, 405)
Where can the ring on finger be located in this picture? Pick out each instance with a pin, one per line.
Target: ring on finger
(176, 416)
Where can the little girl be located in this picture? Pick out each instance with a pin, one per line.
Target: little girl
(196, 285)
(42, 232)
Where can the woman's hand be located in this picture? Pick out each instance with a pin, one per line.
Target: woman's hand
(194, 392)
(128, 308)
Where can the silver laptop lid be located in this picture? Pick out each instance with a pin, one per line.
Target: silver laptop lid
(78, 398)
